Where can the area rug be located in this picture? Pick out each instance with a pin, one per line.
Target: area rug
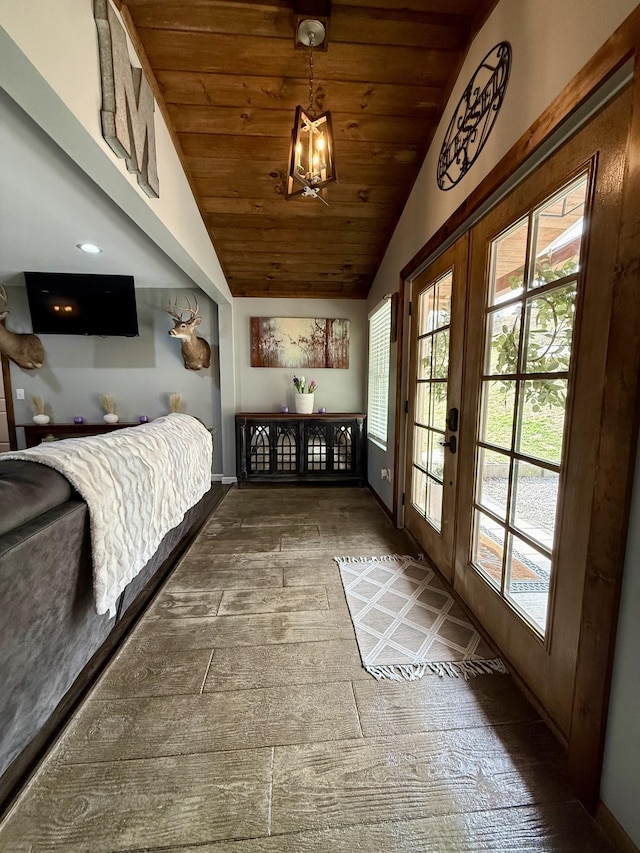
(407, 624)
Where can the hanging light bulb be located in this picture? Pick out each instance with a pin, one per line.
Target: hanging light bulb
(311, 160)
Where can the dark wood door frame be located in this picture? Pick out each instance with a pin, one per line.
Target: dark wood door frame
(620, 414)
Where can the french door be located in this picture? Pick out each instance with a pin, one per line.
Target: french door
(438, 298)
(507, 516)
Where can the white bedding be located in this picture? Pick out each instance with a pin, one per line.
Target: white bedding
(138, 483)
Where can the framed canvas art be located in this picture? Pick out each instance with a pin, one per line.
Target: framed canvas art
(299, 342)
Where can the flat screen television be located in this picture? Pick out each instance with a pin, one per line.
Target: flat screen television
(79, 304)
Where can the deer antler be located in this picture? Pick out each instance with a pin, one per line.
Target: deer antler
(172, 310)
(175, 308)
(4, 299)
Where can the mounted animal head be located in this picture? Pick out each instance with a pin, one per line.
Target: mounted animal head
(196, 352)
(25, 350)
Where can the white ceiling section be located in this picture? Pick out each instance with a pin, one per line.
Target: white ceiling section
(48, 205)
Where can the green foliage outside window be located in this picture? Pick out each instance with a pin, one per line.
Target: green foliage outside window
(548, 347)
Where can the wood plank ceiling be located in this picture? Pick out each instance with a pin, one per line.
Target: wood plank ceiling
(230, 78)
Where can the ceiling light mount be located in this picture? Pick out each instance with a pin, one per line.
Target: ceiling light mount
(311, 33)
(311, 17)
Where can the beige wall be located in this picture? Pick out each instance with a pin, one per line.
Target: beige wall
(265, 389)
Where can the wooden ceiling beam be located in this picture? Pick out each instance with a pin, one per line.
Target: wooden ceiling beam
(300, 208)
(350, 24)
(217, 54)
(300, 291)
(267, 149)
(230, 121)
(288, 218)
(233, 90)
(216, 176)
(460, 7)
(267, 188)
(243, 242)
(300, 268)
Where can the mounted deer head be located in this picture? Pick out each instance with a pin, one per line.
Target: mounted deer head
(196, 352)
(25, 350)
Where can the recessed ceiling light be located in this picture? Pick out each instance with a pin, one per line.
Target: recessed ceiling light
(89, 248)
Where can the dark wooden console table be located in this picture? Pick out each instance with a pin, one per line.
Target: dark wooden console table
(36, 433)
(274, 447)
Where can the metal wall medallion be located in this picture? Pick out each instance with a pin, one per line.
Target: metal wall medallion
(474, 117)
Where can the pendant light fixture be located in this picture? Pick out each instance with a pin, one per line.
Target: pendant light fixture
(311, 157)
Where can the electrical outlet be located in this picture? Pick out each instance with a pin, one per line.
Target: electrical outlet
(19, 393)
(385, 473)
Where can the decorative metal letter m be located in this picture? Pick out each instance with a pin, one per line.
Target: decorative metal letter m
(127, 101)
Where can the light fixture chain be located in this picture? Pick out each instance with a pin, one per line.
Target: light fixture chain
(311, 109)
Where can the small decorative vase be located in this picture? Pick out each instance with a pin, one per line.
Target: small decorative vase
(78, 419)
(144, 419)
(304, 404)
(41, 419)
(110, 418)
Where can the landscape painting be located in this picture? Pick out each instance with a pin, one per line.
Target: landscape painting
(299, 342)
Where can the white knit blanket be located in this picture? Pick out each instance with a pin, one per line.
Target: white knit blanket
(138, 483)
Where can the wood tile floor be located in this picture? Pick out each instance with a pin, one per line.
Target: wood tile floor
(237, 718)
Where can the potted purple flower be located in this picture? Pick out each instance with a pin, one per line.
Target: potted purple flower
(304, 398)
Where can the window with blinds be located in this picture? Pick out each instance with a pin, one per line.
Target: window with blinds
(378, 386)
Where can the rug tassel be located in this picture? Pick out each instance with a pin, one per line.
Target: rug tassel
(454, 669)
(385, 557)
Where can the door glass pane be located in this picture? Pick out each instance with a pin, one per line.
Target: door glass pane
(441, 355)
(498, 407)
(549, 332)
(436, 456)
(443, 301)
(425, 312)
(541, 426)
(420, 447)
(439, 405)
(423, 366)
(434, 504)
(493, 482)
(503, 340)
(528, 581)
(509, 258)
(559, 225)
(419, 491)
(488, 548)
(534, 501)
(423, 402)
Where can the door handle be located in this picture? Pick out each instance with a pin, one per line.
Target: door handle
(452, 444)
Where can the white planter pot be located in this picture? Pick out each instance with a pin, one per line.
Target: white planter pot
(110, 419)
(304, 404)
(41, 419)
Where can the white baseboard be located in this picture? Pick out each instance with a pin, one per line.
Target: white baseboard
(226, 481)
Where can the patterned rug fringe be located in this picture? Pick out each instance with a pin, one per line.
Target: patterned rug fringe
(382, 559)
(454, 669)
